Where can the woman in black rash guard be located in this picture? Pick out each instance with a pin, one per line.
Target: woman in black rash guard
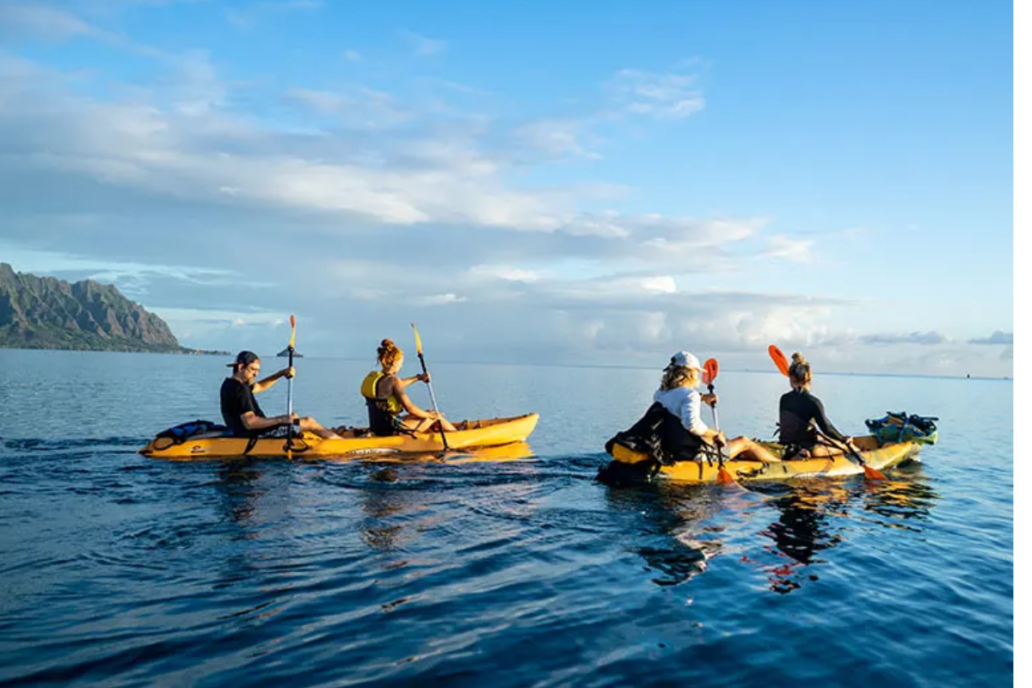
(798, 409)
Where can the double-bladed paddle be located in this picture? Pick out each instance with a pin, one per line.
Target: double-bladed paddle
(709, 373)
(433, 400)
(870, 473)
(290, 383)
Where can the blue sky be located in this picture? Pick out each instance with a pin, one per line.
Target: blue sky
(542, 182)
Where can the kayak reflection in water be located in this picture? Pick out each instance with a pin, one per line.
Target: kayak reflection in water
(798, 409)
(243, 415)
(385, 397)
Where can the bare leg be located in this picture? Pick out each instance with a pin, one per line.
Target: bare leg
(309, 424)
(424, 424)
(821, 451)
(747, 449)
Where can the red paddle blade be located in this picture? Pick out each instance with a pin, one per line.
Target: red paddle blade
(724, 476)
(873, 474)
(779, 359)
(709, 371)
(292, 324)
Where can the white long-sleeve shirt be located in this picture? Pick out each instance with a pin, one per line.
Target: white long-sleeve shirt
(686, 404)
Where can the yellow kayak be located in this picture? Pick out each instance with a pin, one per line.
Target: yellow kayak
(472, 434)
(878, 457)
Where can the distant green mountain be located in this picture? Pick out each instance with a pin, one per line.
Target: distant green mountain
(48, 313)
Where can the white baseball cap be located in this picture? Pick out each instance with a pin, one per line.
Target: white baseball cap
(685, 360)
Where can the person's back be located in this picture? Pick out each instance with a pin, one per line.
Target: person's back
(383, 408)
(681, 430)
(385, 397)
(799, 411)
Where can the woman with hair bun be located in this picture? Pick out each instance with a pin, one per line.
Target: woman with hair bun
(385, 397)
(798, 409)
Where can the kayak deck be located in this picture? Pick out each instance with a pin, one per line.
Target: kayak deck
(356, 442)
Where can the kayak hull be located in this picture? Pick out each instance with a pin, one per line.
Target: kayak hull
(472, 434)
(840, 465)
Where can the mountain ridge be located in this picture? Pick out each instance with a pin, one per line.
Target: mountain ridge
(51, 313)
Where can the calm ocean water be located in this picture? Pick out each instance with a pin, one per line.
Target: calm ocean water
(116, 569)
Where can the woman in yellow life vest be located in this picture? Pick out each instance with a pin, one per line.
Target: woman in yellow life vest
(385, 396)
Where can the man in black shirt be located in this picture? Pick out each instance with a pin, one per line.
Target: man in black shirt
(240, 410)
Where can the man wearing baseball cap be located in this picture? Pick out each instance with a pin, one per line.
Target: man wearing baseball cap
(240, 410)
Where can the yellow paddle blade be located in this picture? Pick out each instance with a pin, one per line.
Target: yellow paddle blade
(292, 323)
(779, 359)
(419, 342)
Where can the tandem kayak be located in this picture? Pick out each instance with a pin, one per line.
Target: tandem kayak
(874, 454)
(356, 443)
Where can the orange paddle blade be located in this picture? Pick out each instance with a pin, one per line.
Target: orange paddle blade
(709, 371)
(779, 359)
(292, 324)
(724, 476)
(419, 342)
(873, 474)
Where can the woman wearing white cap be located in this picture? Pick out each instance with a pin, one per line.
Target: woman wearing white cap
(683, 440)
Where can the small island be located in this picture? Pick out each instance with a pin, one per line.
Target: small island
(286, 352)
(50, 313)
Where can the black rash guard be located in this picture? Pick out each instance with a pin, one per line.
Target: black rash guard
(797, 409)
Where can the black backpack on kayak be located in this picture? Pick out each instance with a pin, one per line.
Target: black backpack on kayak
(184, 431)
(644, 437)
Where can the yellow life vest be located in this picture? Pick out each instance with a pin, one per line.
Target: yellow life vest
(393, 406)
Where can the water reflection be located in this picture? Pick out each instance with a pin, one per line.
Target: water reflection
(678, 528)
(816, 516)
(670, 527)
(382, 500)
(238, 492)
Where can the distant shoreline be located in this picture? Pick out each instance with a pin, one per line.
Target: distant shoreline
(183, 351)
(542, 364)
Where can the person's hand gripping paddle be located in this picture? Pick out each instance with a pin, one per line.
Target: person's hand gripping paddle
(433, 400)
(290, 385)
(709, 373)
(870, 473)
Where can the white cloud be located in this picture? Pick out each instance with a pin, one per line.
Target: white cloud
(558, 138)
(439, 300)
(661, 96)
(352, 56)
(795, 250)
(20, 20)
(504, 272)
(424, 46)
(246, 16)
(349, 215)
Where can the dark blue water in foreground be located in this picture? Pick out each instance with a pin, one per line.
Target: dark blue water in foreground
(116, 569)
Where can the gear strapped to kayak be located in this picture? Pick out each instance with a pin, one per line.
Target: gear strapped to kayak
(899, 427)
